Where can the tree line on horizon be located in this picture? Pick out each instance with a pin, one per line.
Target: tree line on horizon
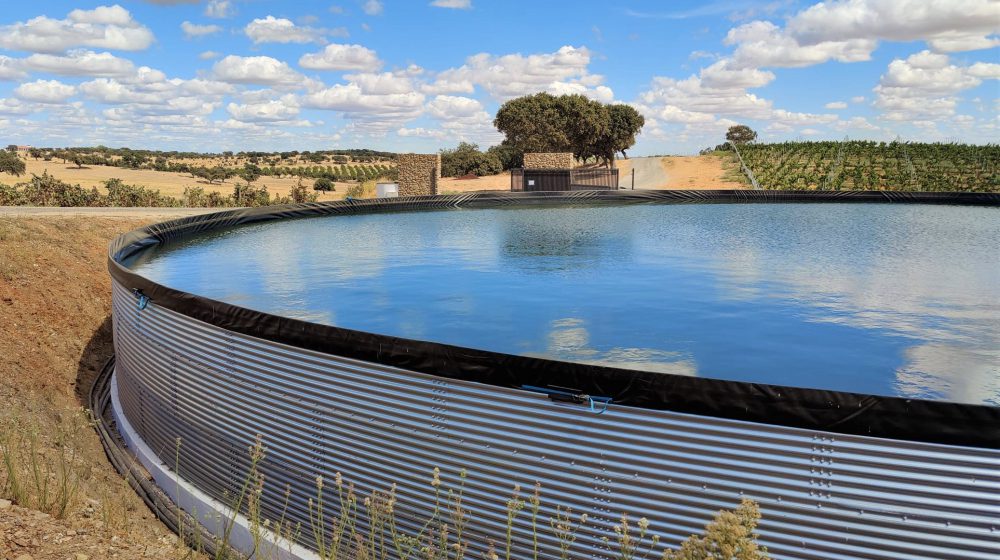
(359, 155)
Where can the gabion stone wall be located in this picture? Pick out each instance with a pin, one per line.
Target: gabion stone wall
(418, 174)
(549, 160)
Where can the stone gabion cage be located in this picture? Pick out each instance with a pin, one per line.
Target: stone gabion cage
(548, 160)
(418, 174)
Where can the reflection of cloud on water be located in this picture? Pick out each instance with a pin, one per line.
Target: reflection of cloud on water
(569, 336)
(569, 340)
(922, 273)
(927, 373)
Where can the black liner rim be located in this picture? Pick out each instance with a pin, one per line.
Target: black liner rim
(917, 420)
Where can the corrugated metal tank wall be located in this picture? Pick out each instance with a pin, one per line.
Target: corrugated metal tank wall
(822, 495)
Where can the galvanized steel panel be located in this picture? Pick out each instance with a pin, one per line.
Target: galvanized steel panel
(822, 495)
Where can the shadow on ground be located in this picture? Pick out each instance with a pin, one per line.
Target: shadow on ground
(95, 354)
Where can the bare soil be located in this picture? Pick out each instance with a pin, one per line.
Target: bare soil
(701, 172)
(27, 534)
(452, 185)
(54, 337)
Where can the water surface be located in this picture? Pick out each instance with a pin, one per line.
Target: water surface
(884, 299)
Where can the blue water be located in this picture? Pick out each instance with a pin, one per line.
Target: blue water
(883, 299)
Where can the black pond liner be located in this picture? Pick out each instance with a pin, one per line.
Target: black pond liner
(832, 411)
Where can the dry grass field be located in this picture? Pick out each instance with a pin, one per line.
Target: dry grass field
(170, 184)
(452, 185)
(173, 184)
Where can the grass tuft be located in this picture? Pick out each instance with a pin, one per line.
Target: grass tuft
(41, 470)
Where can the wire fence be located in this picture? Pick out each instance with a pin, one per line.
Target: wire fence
(746, 170)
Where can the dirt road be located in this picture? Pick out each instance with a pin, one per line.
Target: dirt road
(649, 174)
(680, 172)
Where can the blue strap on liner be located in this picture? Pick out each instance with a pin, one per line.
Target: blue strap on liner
(143, 299)
(597, 405)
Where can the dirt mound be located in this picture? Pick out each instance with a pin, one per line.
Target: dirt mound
(54, 336)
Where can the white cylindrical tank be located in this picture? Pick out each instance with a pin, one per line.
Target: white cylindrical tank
(386, 190)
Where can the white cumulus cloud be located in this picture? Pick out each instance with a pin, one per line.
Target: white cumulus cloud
(383, 83)
(14, 106)
(925, 85)
(45, 91)
(374, 105)
(192, 30)
(106, 15)
(220, 9)
(453, 4)
(104, 27)
(10, 68)
(762, 43)
(463, 119)
(342, 57)
(421, 132)
(80, 63)
(849, 30)
(512, 75)
(275, 110)
(946, 25)
(262, 70)
(280, 30)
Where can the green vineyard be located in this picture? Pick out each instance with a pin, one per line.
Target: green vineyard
(861, 165)
(333, 172)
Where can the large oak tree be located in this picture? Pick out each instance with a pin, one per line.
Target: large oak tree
(568, 123)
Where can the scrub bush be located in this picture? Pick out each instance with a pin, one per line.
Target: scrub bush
(46, 190)
(249, 195)
(365, 189)
(120, 194)
(466, 159)
(10, 196)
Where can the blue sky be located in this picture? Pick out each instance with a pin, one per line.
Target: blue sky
(420, 75)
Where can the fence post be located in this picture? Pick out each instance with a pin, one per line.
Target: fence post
(633, 178)
(743, 165)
